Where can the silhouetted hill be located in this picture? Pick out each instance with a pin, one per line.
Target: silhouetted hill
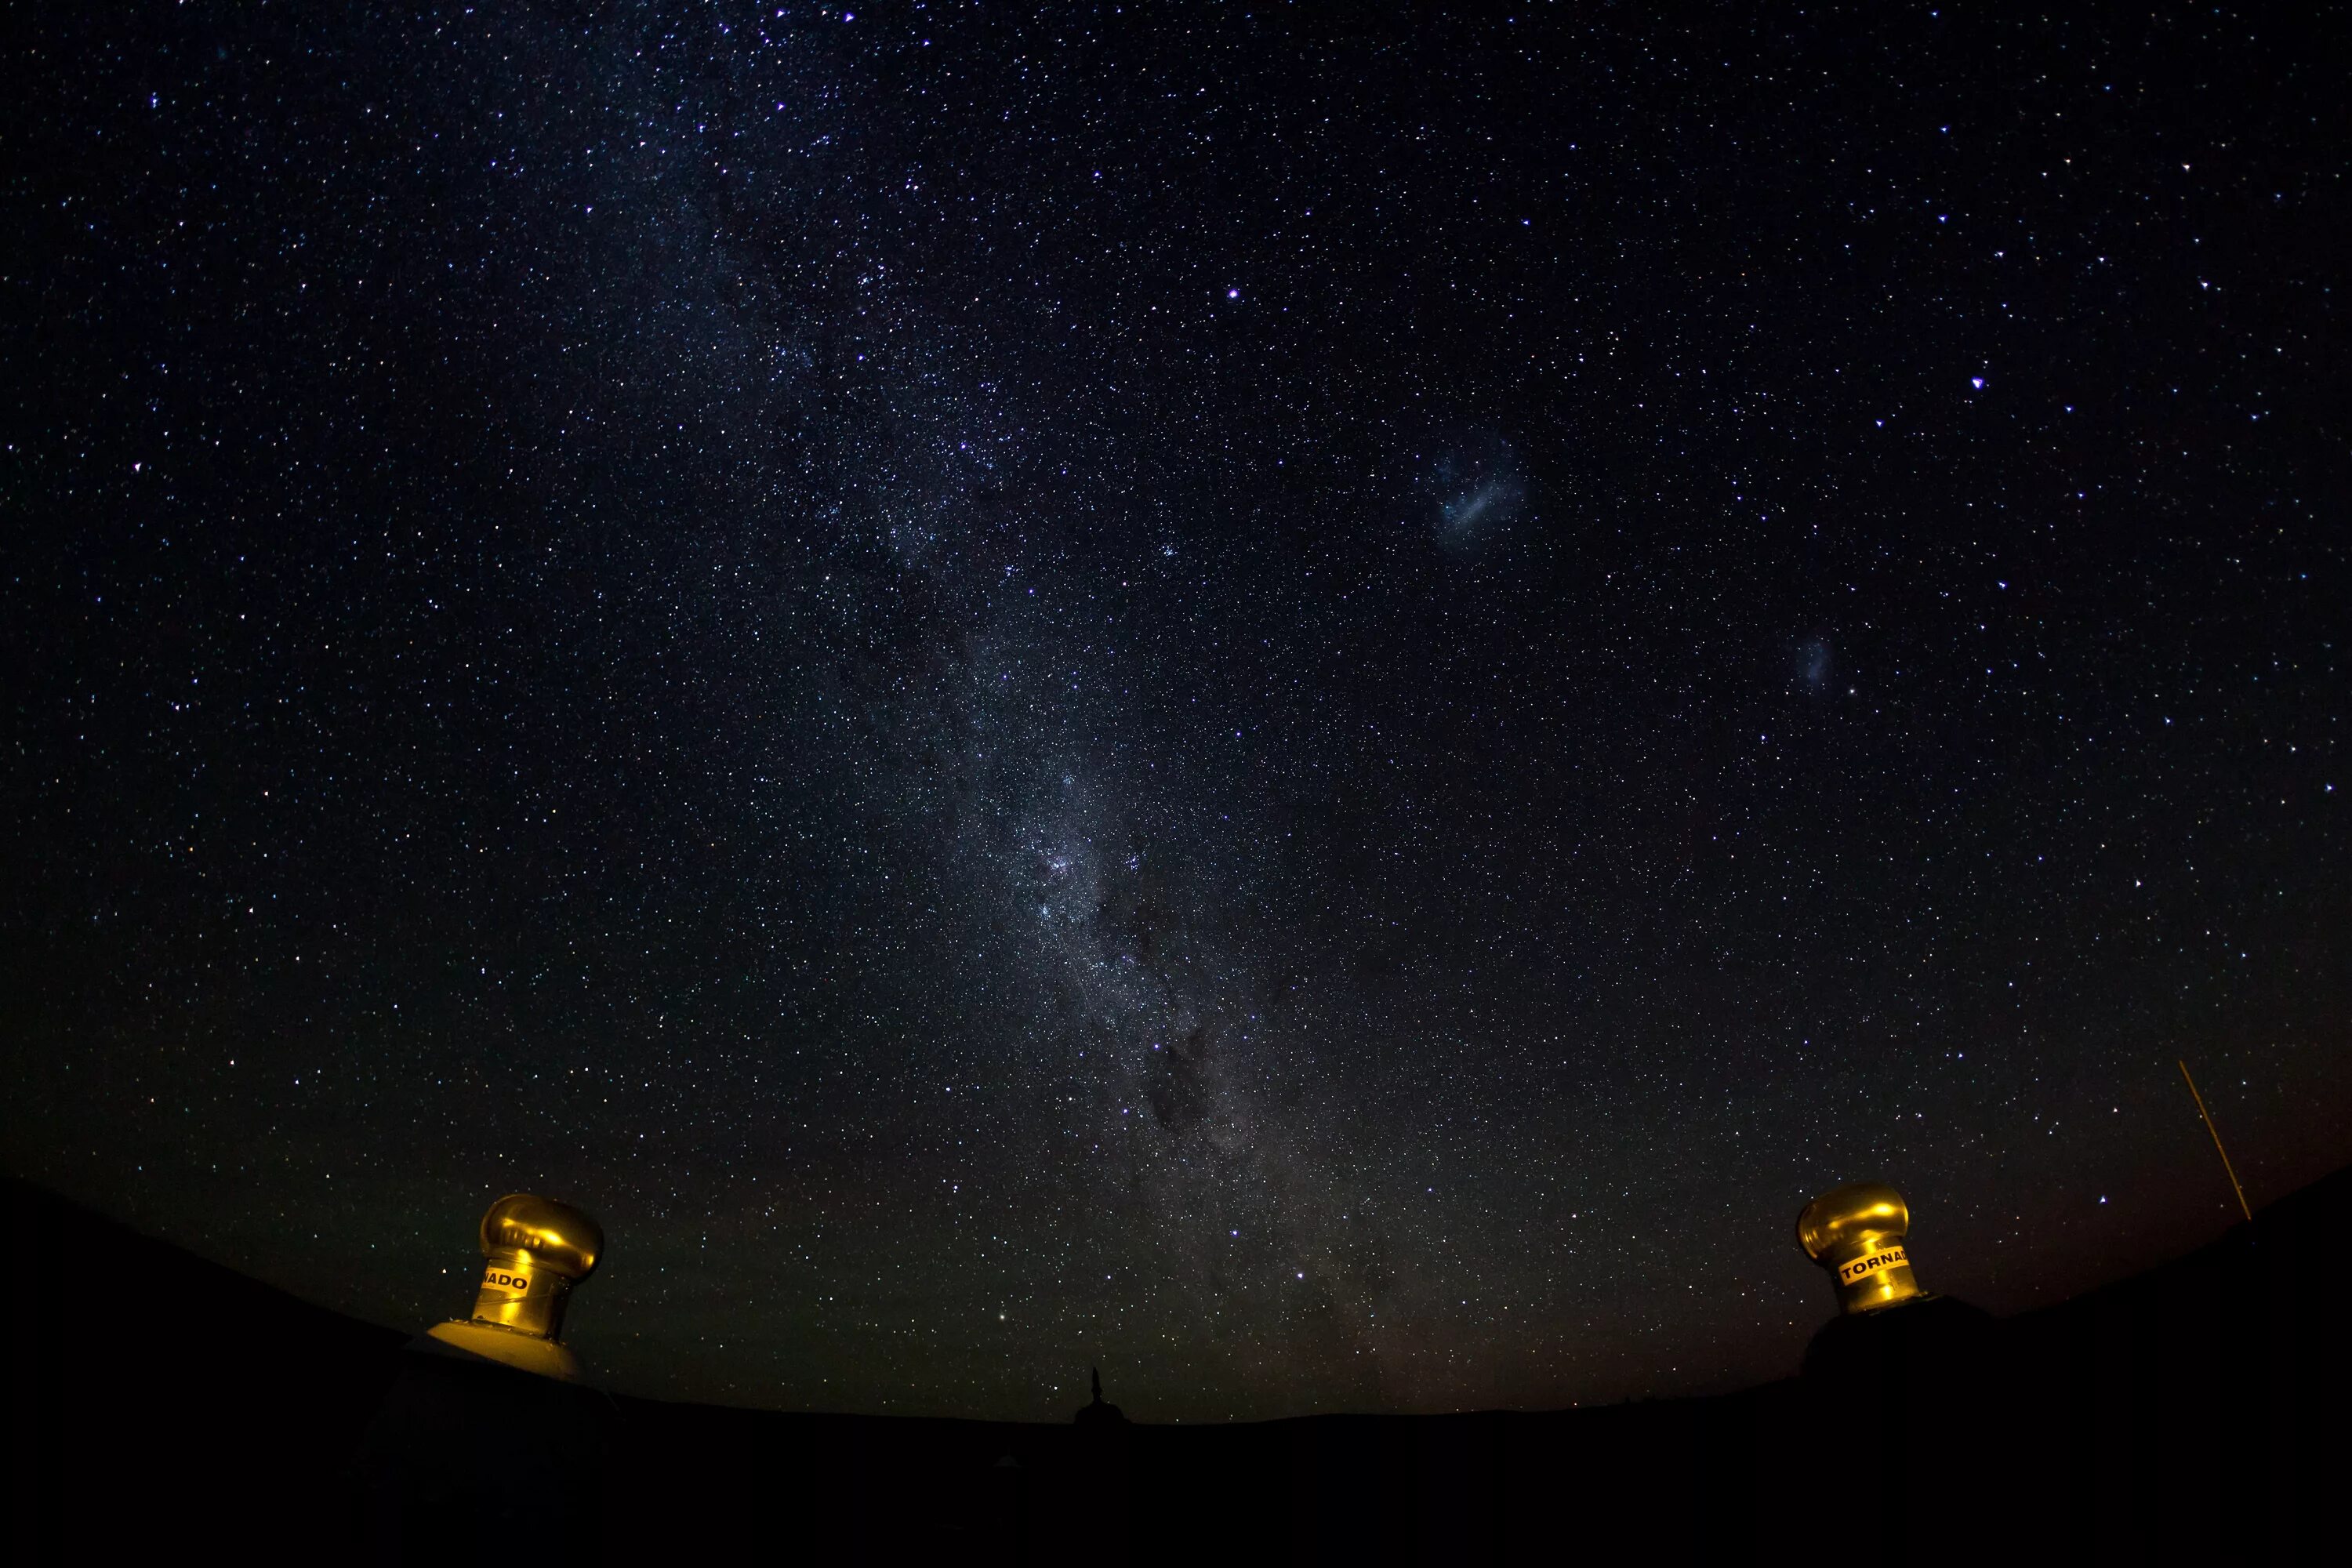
(157, 1398)
(160, 1402)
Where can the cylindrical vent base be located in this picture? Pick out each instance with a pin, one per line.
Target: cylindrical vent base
(520, 1293)
(1876, 1274)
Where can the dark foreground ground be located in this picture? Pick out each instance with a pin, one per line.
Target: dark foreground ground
(2194, 1413)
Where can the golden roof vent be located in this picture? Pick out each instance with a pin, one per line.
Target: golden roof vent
(1857, 1233)
(535, 1250)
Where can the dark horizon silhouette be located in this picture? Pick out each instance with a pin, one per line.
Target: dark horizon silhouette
(2198, 1407)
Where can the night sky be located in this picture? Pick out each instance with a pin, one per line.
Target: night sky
(1316, 708)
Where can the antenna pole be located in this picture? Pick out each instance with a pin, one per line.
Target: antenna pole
(2208, 1118)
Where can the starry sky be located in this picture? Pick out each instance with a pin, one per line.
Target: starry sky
(1316, 707)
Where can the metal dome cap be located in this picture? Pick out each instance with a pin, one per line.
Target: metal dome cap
(534, 1250)
(1856, 1232)
(555, 1236)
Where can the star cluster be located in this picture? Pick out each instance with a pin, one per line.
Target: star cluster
(1319, 711)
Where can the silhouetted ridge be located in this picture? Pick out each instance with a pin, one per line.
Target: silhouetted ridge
(2195, 1410)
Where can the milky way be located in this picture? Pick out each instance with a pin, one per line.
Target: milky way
(1319, 717)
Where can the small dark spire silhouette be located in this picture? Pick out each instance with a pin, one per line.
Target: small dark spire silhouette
(1100, 1413)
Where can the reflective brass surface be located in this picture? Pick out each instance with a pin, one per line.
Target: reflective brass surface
(557, 1235)
(1857, 1233)
(535, 1249)
(526, 1352)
